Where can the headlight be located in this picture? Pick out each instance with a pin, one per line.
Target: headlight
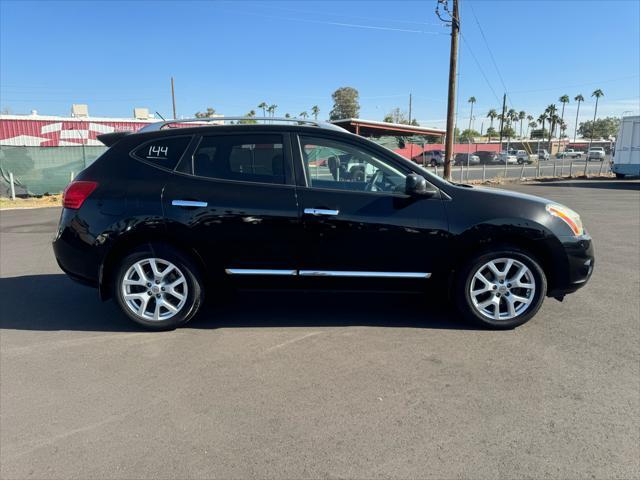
(568, 216)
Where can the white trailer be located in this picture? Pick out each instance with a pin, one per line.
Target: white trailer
(626, 160)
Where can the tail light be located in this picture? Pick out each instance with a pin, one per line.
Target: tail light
(76, 193)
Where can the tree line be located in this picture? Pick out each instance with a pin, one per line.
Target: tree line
(549, 124)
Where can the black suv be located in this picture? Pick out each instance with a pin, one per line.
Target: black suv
(181, 208)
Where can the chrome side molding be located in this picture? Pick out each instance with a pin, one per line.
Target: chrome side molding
(342, 273)
(258, 271)
(188, 203)
(325, 273)
(321, 212)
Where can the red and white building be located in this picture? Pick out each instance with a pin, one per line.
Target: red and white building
(53, 131)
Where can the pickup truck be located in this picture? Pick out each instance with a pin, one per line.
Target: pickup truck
(596, 153)
(569, 153)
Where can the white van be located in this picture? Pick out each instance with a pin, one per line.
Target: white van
(626, 160)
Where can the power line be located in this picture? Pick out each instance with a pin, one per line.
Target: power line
(484, 38)
(480, 67)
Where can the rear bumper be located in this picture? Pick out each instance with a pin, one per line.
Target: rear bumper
(75, 249)
(580, 262)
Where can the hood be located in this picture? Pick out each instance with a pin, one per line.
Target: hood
(498, 192)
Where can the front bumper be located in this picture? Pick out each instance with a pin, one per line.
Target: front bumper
(578, 267)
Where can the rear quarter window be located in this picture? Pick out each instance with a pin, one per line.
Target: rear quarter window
(162, 152)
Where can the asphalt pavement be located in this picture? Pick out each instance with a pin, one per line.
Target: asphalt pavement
(309, 385)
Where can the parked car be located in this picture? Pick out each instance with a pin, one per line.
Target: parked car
(487, 157)
(168, 215)
(523, 157)
(569, 153)
(596, 153)
(504, 157)
(435, 157)
(461, 159)
(543, 155)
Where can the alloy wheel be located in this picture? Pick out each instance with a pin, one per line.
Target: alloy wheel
(502, 289)
(154, 289)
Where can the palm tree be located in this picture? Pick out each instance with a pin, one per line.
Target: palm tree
(564, 99)
(597, 93)
(303, 115)
(529, 119)
(512, 116)
(542, 119)
(491, 115)
(578, 98)
(471, 100)
(521, 116)
(263, 106)
(551, 111)
(531, 125)
(272, 109)
(563, 129)
(315, 110)
(286, 115)
(553, 120)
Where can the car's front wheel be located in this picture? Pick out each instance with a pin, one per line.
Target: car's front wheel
(501, 289)
(158, 288)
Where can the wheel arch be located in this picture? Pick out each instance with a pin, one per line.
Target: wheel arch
(128, 243)
(537, 242)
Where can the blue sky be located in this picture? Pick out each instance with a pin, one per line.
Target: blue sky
(233, 55)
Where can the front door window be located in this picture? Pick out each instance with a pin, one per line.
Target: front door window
(340, 166)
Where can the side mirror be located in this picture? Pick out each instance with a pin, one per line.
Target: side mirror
(416, 185)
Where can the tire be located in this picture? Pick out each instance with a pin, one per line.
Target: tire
(503, 293)
(434, 163)
(172, 269)
(620, 176)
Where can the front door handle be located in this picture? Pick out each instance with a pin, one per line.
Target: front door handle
(321, 212)
(188, 203)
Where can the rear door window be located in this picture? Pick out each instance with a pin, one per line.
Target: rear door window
(164, 152)
(249, 158)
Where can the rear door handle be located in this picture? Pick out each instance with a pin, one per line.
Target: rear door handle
(188, 203)
(321, 212)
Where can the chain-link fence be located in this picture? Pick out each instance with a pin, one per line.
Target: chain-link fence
(545, 169)
(39, 170)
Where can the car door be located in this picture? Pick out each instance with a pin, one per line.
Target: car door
(357, 219)
(233, 200)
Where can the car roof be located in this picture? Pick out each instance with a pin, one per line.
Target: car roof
(193, 128)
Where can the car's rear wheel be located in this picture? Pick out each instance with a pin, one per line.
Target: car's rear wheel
(501, 289)
(158, 288)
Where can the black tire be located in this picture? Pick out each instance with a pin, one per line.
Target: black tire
(462, 285)
(434, 163)
(190, 273)
(620, 176)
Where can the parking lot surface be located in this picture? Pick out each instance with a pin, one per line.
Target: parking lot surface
(308, 385)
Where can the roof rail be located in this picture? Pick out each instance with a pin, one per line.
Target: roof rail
(215, 121)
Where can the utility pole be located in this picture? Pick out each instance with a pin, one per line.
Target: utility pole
(409, 109)
(173, 98)
(504, 109)
(451, 100)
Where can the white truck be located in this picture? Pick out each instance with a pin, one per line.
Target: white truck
(569, 153)
(626, 159)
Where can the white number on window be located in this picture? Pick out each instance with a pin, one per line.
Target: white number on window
(158, 151)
